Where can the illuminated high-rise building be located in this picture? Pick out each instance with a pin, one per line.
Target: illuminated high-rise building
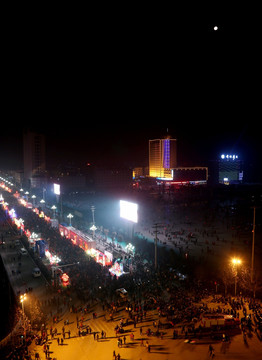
(162, 157)
(230, 169)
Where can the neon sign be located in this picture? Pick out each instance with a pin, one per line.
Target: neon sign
(228, 157)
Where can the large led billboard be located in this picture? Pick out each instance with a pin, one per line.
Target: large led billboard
(57, 189)
(128, 211)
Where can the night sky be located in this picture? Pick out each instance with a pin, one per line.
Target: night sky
(101, 83)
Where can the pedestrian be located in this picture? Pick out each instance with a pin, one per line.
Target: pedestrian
(114, 355)
(149, 348)
(210, 349)
(58, 341)
(69, 334)
(62, 341)
(141, 331)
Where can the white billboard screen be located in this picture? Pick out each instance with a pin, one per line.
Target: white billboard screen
(128, 210)
(57, 189)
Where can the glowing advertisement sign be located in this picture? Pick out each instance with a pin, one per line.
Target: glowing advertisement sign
(57, 189)
(228, 157)
(128, 211)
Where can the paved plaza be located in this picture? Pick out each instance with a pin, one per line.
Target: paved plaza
(214, 236)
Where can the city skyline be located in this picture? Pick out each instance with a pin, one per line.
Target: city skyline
(103, 97)
(118, 147)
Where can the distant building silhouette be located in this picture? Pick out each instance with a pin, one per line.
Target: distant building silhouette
(34, 159)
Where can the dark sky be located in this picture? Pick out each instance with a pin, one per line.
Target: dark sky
(101, 82)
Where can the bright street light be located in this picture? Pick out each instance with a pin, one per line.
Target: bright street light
(70, 216)
(54, 208)
(22, 299)
(33, 197)
(236, 262)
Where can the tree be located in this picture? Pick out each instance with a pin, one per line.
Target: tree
(227, 275)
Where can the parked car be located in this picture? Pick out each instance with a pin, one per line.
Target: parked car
(122, 292)
(36, 272)
(23, 251)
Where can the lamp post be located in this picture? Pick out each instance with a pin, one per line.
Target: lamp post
(253, 245)
(42, 201)
(256, 205)
(156, 226)
(22, 299)
(54, 209)
(70, 216)
(93, 227)
(236, 262)
(33, 197)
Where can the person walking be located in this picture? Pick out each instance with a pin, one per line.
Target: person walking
(58, 341)
(211, 351)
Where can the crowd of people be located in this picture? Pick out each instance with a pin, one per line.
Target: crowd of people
(176, 302)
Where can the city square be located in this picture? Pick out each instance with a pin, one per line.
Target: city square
(81, 318)
(131, 182)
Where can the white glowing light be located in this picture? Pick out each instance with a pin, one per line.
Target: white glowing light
(128, 211)
(57, 189)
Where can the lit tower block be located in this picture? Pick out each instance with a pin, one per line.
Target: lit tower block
(162, 157)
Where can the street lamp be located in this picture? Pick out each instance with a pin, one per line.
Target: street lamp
(236, 262)
(33, 197)
(156, 226)
(93, 227)
(22, 299)
(70, 216)
(54, 208)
